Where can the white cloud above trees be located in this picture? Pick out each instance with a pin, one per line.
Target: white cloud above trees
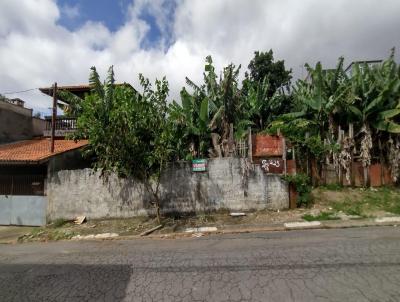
(36, 51)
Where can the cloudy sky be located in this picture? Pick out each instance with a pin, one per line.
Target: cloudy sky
(42, 41)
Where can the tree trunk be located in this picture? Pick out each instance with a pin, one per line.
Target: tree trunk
(158, 213)
(215, 142)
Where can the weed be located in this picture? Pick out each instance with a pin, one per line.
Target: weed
(205, 218)
(370, 200)
(349, 207)
(301, 182)
(320, 217)
(58, 223)
(59, 235)
(332, 187)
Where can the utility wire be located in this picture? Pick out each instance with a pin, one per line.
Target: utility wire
(15, 92)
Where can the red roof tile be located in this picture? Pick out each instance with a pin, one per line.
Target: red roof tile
(36, 150)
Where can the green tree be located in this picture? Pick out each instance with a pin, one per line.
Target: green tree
(376, 109)
(266, 89)
(263, 66)
(129, 133)
(260, 108)
(369, 99)
(318, 104)
(207, 113)
(72, 104)
(3, 98)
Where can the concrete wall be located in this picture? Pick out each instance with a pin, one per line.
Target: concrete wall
(72, 160)
(17, 123)
(83, 192)
(38, 126)
(14, 108)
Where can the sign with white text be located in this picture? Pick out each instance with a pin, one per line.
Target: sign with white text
(199, 165)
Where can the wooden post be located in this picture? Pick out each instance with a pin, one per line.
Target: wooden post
(308, 168)
(284, 156)
(339, 141)
(53, 117)
(351, 135)
(366, 176)
(351, 130)
(382, 162)
(231, 140)
(250, 149)
(294, 160)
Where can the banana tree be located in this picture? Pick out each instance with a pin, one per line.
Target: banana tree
(320, 99)
(72, 104)
(212, 111)
(259, 104)
(190, 120)
(318, 107)
(376, 106)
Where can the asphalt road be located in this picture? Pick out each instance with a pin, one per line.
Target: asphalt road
(360, 264)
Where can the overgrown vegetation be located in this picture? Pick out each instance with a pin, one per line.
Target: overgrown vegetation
(136, 133)
(58, 223)
(321, 216)
(360, 202)
(129, 132)
(328, 101)
(302, 184)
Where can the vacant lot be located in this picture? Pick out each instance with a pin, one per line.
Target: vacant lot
(361, 203)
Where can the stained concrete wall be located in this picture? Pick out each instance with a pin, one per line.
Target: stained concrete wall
(15, 108)
(38, 126)
(72, 160)
(84, 192)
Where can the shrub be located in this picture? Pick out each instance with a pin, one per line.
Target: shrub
(303, 187)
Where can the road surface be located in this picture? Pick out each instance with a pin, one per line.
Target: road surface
(361, 264)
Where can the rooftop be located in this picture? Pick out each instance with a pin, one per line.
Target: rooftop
(36, 150)
(78, 90)
(368, 62)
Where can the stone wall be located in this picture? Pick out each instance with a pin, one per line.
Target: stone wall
(224, 186)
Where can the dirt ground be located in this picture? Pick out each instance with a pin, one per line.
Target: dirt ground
(9, 233)
(341, 203)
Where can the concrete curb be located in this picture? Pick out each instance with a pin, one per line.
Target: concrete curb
(328, 224)
(237, 229)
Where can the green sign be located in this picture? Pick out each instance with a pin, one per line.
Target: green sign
(199, 165)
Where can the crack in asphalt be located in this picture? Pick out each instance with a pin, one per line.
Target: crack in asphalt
(324, 265)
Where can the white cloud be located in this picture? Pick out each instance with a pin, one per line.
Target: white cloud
(70, 11)
(29, 17)
(35, 51)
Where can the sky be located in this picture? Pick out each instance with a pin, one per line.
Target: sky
(47, 41)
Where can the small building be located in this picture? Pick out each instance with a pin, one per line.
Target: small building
(24, 169)
(78, 90)
(361, 64)
(27, 164)
(17, 102)
(17, 122)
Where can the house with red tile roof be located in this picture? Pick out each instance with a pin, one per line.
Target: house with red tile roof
(35, 151)
(26, 164)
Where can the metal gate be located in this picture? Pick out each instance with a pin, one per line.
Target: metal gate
(23, 210)
(22, 200)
